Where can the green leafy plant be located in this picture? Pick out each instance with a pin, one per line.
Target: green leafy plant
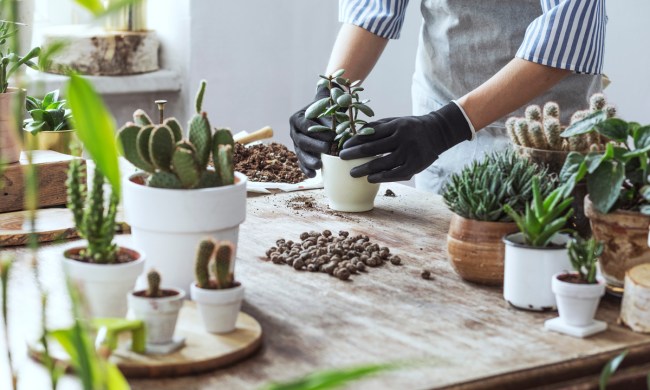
(481, 189)
(609, 369)
(543, 217)
(332, 379)
(47, 114)
(223, 258)
(10, 62)
(174, 162)
(584, 257)
(341, 108)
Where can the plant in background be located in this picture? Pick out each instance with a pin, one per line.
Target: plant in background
(153, 284)
(224, 278)
(481, 189)
(10, 62)
(174, 162)
(341, 108)
(47, 114)
(584, 256)
(543, 217)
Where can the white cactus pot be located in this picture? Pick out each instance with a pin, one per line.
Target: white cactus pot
(169, 224)
(528, 272)
(219, 309)
(159, 314)
(344, 192)
(104, 286)
(577, 303)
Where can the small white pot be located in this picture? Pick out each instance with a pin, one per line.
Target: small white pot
(344, 192)
(159, 314)
(577, 303)
(104, 286)
(528, 272)
(219, 308)
(169, 224)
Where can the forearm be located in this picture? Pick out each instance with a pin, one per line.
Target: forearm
(356, 50)
(513, 86)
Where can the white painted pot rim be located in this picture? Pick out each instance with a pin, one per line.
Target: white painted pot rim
(517, 240)
(180, 294)
(217, 296)
(577, 290)
(97, 272)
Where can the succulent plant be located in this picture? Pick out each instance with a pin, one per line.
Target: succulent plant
(584, 256)
(223, 258)
(153, 284)
(481, 189)
(174, 162)
(47, 114)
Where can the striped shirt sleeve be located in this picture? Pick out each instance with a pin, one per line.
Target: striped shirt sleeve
(570, 34)
(381, 17)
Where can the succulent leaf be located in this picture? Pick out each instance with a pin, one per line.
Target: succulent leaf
(175, 127)
(142, 142)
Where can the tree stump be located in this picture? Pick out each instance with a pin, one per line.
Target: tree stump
(635, 308)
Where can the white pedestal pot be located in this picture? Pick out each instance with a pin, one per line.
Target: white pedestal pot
(528, 272)
(577, 303)
(219, 309)
(104, 286)
(344, 192)
(159, 314)
(169, 224)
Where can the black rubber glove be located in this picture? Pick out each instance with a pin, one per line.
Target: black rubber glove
(412, 144)
(309, 146)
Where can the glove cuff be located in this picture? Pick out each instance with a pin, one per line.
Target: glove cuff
(469, 122)
(459, 127)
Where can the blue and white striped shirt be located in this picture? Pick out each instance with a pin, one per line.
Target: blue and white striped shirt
(570, 34)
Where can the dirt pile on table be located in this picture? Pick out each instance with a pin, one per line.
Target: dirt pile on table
(268, 163)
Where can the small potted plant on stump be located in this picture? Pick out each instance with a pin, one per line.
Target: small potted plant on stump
(158, 308)
(49, 127)
(476, 197)
(341, 109)
(538, 251)
(578, 293)
(218, 299)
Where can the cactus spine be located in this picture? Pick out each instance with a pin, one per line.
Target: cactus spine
(536, 135)
(510, 128)
(221, 267)
(202, 269)
(552, 129)
(153, 284)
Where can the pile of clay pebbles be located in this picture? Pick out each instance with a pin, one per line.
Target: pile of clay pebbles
(340, 256)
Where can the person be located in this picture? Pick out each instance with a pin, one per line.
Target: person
(477, 61)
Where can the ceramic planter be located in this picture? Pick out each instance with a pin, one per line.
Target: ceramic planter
(219, 308)
(104, 286)
(9, 144)
(344, 192)
(528, 272)
(476, 249)
(169, 224)
(62, 141)
(159, 314)
(625, 234)
(577, 303)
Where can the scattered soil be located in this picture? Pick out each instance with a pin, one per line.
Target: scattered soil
(340, 256)
(308, 203)
(390, 193)
(426, 274)
(165, 293)
(268, 163)
(572, 278)
(123, 256)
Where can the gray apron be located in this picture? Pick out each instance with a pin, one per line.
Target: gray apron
(462, 44)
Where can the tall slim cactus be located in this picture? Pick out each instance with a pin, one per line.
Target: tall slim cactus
(221, 266)
(222, 262)
(153, 284)
(202, 266)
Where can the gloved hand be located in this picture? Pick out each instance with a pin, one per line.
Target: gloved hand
(309, 146)
(412, 143)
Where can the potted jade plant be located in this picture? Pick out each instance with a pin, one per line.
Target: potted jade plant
(50, 125)
(476, 197)
(218, 299)
(158, 308)
(341, 110)
(618, 201)
(179, 198)
(538, 251)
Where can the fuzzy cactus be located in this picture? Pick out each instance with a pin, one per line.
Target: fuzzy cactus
(552, 110)
(610, 110)
(202, 269)
(153, 284)
(536, 135)
(223, 259)
(579, 115)
(597, 102)
(174, 162)
(510, 128)
(533, 113)
(521, 129)
(222, 265)
(553, 129)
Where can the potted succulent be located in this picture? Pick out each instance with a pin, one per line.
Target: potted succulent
(341, 111)
(476, 197)
(103, 271)
(218, 299)
(179, 199)
(50, 125)
(158, 308)
(538, 251)
(618, 201)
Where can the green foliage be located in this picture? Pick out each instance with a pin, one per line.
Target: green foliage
(584, 257)
(223, 258)
(153, 284)
(332, 379)
(174, 162)
(47, 114)
(10, 62)
(481, 189)
(543, 217)
(99, 10)
(342, 108)
(609, 370)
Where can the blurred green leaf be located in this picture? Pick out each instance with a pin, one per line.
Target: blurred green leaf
(614, 128)
(585, 125)
(317, 129)
(609, 369)
(331, 379)
(98, 10)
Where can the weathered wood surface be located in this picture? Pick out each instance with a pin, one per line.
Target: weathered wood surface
(467, 334)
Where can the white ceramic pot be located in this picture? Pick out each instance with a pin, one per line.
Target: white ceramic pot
(159, 314)
(219, 308)
(528, 272)
(344, 192)
(577, 303)
(169, 224)
(104, 286)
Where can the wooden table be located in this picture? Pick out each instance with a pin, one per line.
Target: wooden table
(466, 335)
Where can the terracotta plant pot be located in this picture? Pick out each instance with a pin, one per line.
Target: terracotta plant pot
(62, 141)
(476, 249)
(344, 192)
(625, 234)
(9, 143)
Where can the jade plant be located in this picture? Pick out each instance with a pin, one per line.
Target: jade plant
(47, 114)
(482, 188)
(153, 285)
(543, 217)
(220, 267)
(172, 161)
(584, 257)
(341, 109)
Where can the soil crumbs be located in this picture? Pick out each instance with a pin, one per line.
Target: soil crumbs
(308, 203)
(268, 163)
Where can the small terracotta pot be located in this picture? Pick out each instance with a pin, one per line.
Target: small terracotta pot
(625, 234)
(476, 249)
